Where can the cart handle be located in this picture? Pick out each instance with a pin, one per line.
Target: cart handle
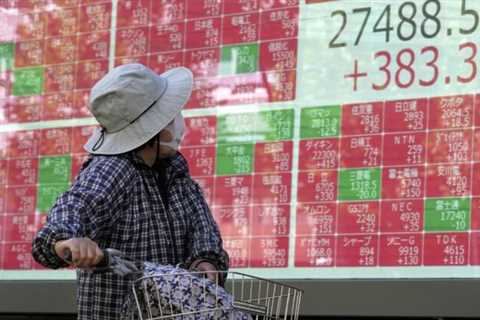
(113, 261)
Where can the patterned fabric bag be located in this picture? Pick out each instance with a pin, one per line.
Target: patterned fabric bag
(173, 291)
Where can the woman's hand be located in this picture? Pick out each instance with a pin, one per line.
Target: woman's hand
(85, 252)
(208, 268)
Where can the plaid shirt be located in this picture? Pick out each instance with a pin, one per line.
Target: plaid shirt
(116, 202)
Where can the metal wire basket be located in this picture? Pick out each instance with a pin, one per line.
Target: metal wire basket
(188, 295)
(169, 292)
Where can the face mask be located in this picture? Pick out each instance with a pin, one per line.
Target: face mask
(176, 129)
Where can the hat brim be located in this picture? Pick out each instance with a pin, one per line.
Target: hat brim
(179, 89)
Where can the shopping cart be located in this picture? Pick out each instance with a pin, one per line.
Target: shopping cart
(169, 292)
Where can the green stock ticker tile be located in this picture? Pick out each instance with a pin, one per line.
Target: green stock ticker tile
(55, 169)
(28, 81)
(359, 184)
(255, 127)
(7, 54)
(447, 214)
(239, 59)
(320, 122)
(275, 125)
(236, 128)
(234, 159)
(48, 193)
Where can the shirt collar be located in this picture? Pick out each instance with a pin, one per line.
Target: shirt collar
(176, 165)
(179, 163)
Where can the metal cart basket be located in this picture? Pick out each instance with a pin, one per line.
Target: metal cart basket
(169, 292)
(244, 297)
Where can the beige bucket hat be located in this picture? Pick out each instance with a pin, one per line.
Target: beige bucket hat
(132, 104)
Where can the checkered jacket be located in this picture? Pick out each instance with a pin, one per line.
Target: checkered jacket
(116, 202)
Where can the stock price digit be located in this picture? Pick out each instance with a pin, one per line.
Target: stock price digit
(405, 67)
(471, 13)
(433, 17)
(470, 61)
(433, 65)
(407, 18)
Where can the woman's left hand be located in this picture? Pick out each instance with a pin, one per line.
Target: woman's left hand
(209, 270)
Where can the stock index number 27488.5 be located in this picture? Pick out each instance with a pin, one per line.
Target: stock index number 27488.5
(413, 19)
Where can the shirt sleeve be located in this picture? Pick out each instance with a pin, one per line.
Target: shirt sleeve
(207, 241)
(87, 209)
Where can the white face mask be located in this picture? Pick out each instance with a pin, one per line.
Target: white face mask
(176, 129)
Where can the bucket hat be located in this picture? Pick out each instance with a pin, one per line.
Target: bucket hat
(132, 104)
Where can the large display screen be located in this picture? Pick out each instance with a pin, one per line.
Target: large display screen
(332, 139)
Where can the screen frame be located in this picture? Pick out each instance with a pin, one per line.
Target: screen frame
(380, 297)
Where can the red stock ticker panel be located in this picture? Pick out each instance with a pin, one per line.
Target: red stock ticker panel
(378, 184)
(248, 185)
(240, 51)
(389, 184)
